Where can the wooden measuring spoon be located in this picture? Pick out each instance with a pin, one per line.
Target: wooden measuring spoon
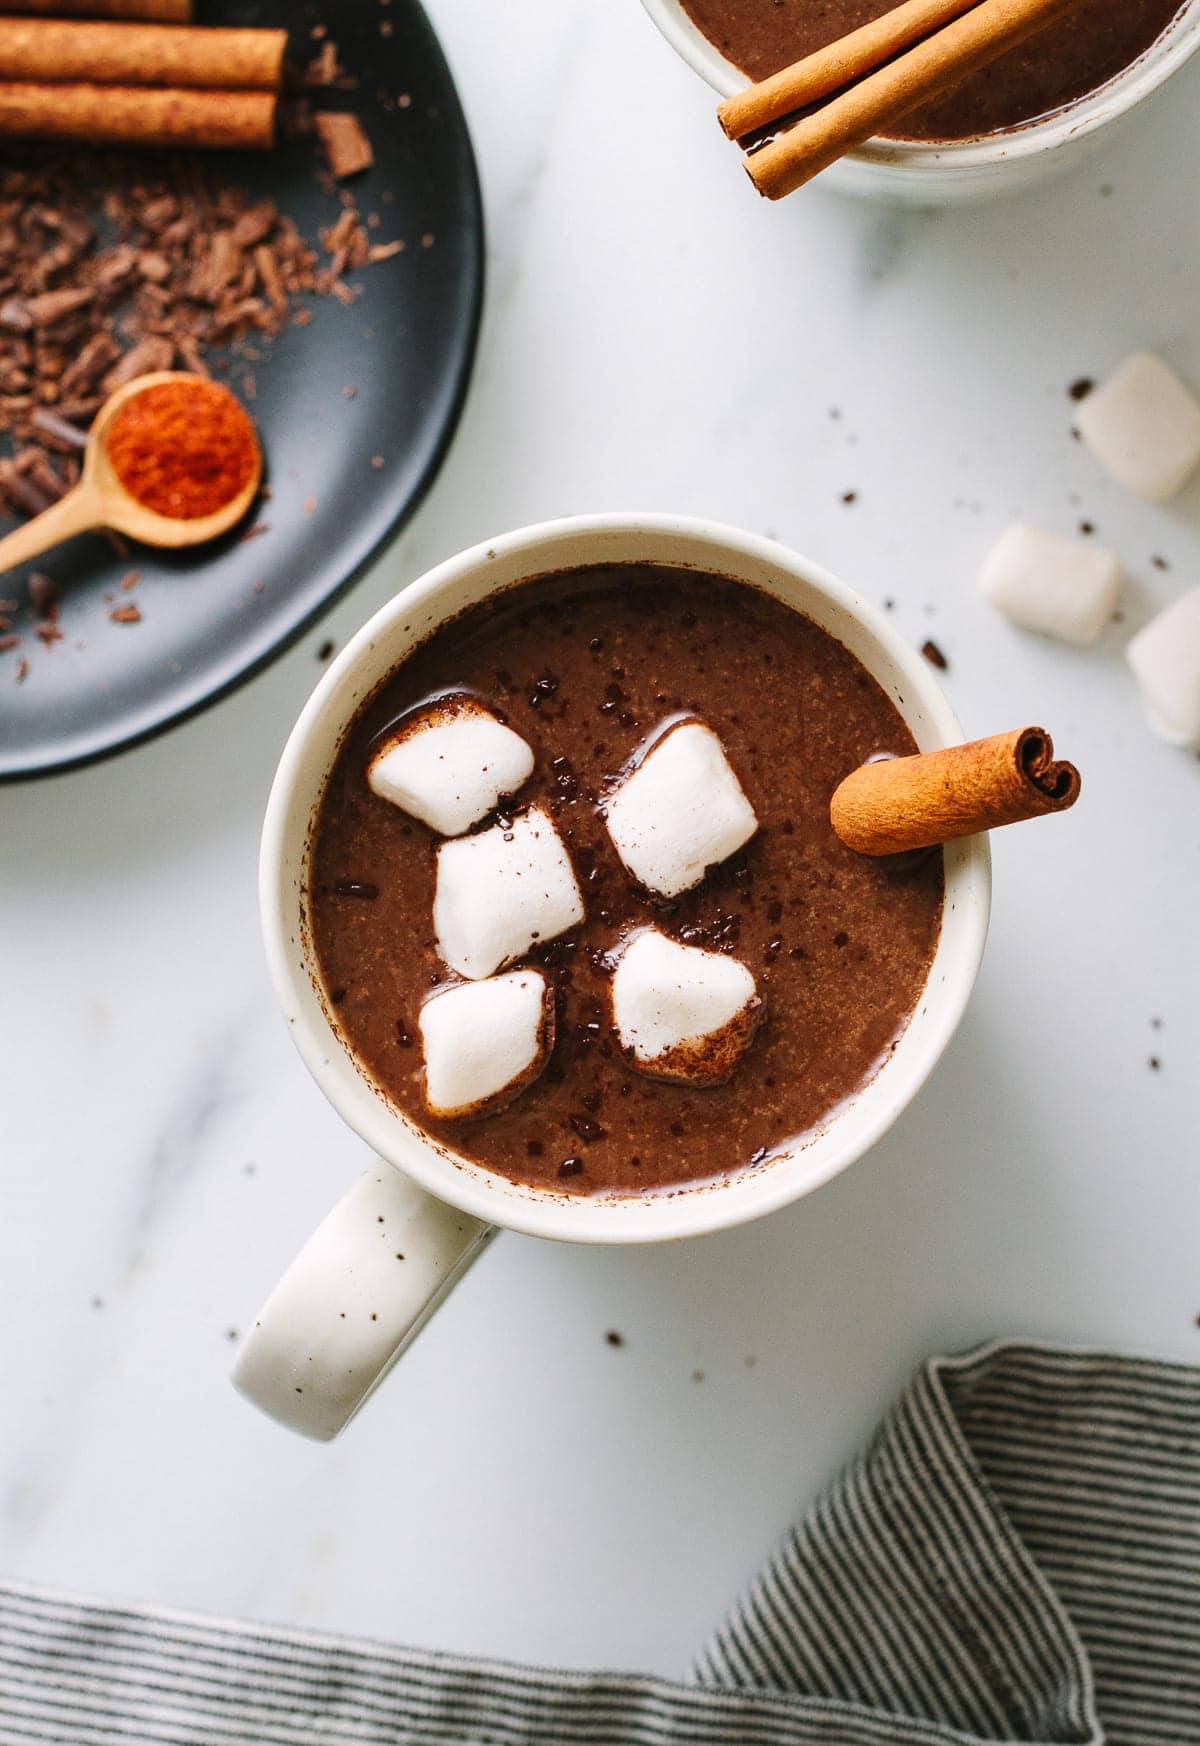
(101, 501)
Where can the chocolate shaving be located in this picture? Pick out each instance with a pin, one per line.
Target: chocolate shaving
(111, 267)
(347, 147)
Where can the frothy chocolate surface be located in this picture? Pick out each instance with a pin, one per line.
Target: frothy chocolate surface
(585, 664)
(1081, 52)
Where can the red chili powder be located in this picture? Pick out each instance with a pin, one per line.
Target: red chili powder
(184, 448)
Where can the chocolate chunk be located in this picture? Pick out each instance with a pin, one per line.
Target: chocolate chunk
(934, 655)
(346, 146)
(44, 592)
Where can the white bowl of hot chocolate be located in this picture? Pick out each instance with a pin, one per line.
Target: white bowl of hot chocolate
(573, 903)
(623, 879)
(1034, 109)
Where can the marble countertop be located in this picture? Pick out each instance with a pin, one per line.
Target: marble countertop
(655, 338)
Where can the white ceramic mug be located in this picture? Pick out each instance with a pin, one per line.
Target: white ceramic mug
(388, 1253)
(945, 172)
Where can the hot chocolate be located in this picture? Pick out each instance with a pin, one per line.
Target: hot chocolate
(1082, 51)
(653, 962)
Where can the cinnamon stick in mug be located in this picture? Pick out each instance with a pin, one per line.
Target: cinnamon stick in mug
(138, 115)
(892, 805)
(871, 105)
(70, 51)
(837, 65)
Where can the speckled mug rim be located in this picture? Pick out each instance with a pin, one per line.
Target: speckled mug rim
(377, 649)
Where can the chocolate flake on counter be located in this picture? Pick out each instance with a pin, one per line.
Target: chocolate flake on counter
(849, 496)
(130, 579)
(252, 533)
(934, 655)
(1159, 562)
(613, 1338)
(130, 614)
(1154, 1064)
(346, 146)
(1087, 527)
(44, 592)
(326, 649)
(22, 670)
(1080, 388)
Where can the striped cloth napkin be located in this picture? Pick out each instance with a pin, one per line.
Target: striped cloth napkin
(1016, 1557)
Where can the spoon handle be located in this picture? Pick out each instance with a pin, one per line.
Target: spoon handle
(77, 512)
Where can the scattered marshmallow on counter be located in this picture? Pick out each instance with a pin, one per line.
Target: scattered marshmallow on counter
(484, 1042)
(1065, 588)
(502, 891)
(1143, 426)
(1165, 657)
(679, 811)
(683, 1013)
(449, 763)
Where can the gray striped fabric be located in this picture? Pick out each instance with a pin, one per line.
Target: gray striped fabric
(1016, 1557)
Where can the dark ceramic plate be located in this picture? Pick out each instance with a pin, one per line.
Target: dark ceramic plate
(212, 618)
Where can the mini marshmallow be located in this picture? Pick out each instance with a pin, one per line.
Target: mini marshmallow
(1062, 587)
(679, 811)
(502, 891)
(449, 763)
(484, 1042)
(680, 1012)
(1143, 426)
(1165, 657)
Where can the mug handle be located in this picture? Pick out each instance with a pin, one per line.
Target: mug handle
(362, 1287)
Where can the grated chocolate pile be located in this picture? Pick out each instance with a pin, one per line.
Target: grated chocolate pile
(109, 269)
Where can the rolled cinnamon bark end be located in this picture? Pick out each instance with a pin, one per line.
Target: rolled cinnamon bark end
(43, 51)
(892, 805)
(138, 115)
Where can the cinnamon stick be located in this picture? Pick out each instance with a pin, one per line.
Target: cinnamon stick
(138, 115)
(69, 51)
(869, 107)
(839, 64)
(891, 805)
(161, 11)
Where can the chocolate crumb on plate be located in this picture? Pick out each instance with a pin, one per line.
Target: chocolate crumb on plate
(934, 655)
(1080, 388)
(347, 148)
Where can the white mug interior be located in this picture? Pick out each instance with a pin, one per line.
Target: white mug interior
(367, 661)
(944, 171)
